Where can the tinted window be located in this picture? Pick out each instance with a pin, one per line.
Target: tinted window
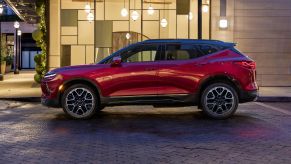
(206, 49)
(143, 53)
(180, 52)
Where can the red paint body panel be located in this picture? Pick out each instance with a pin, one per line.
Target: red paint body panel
(155, 78)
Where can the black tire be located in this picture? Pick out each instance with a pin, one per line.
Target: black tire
(219, 101)
(78, 104)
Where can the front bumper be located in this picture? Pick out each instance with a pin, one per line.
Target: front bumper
(50, 102)
(248, 96)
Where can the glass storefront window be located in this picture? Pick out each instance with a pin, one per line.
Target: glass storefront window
(81, 35)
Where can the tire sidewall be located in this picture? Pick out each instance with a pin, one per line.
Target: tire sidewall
(225, 115)
(95, 100)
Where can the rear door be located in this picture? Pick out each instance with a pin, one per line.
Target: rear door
(179, 69)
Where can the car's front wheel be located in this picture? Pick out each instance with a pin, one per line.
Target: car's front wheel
(219, 101)
(80, 101)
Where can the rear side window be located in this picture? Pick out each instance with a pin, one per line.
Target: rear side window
(180, 52)
(207, 49)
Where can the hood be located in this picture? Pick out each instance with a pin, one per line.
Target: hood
(77, 67)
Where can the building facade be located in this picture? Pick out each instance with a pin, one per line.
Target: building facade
(261, 29)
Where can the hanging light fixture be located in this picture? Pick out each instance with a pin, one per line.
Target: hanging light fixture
(190, 15)
(1, 9)
(134, 14)
(151, 10)
(87, 8)
(124, 11)
(127, 36)
(164, 21)
(90, 17)
(19, 32)
(205, 8)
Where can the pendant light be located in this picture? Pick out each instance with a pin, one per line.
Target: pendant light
(87, 8)
(124, 11)
(151, 10)
(127, 36)
(164, 21)
(190, 15)
(90, 16)
(205, 8)
(1, 9)
(134, 14)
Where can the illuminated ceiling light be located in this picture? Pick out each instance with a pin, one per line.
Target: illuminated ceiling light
(223, 23)
(87, 8)
(134, 15)
(124, 12)
(90, 17)
(190, 15)
(19, 32)
(1, 9)
(128, 36)
(205, 8)
(164, 22)
(16, 25)
(151, 10)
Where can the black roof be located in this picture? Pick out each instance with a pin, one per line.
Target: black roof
(191, 41)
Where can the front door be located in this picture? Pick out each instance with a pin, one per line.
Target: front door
(137, 74)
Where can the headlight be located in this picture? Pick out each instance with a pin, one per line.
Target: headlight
(50, 75)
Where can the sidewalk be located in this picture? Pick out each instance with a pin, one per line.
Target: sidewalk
(19, 86)
(275, 94)
(22, 86)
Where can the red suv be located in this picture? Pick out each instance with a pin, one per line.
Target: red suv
(210, 74)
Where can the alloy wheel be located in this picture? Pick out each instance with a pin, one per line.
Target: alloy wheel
(80, 102)
(219, 100)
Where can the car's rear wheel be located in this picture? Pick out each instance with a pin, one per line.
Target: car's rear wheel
(80, 101)
(219, 101)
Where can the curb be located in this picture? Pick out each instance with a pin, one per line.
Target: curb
(273, 99)
(23, 99)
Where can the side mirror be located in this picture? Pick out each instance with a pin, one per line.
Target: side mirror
(116, 61)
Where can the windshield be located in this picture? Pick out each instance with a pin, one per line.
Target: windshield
(108, 59)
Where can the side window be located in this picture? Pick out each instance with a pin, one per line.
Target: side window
(180, 52)
(207, 49)
(143, 53)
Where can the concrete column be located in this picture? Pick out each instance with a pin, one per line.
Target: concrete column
(54, 55)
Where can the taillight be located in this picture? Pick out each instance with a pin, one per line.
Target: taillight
(246, 64)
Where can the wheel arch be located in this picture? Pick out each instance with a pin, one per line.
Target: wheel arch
(224, 78)
(74, 81)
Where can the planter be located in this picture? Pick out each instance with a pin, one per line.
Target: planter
(3, 67)
(8, 68)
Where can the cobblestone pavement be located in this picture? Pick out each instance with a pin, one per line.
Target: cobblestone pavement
(258, 133)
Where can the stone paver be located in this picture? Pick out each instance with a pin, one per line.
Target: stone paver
(31, 133)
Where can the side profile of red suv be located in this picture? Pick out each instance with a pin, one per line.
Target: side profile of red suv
(210, 74)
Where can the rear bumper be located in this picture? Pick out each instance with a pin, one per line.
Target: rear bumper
(248, 96)
(50, 102)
